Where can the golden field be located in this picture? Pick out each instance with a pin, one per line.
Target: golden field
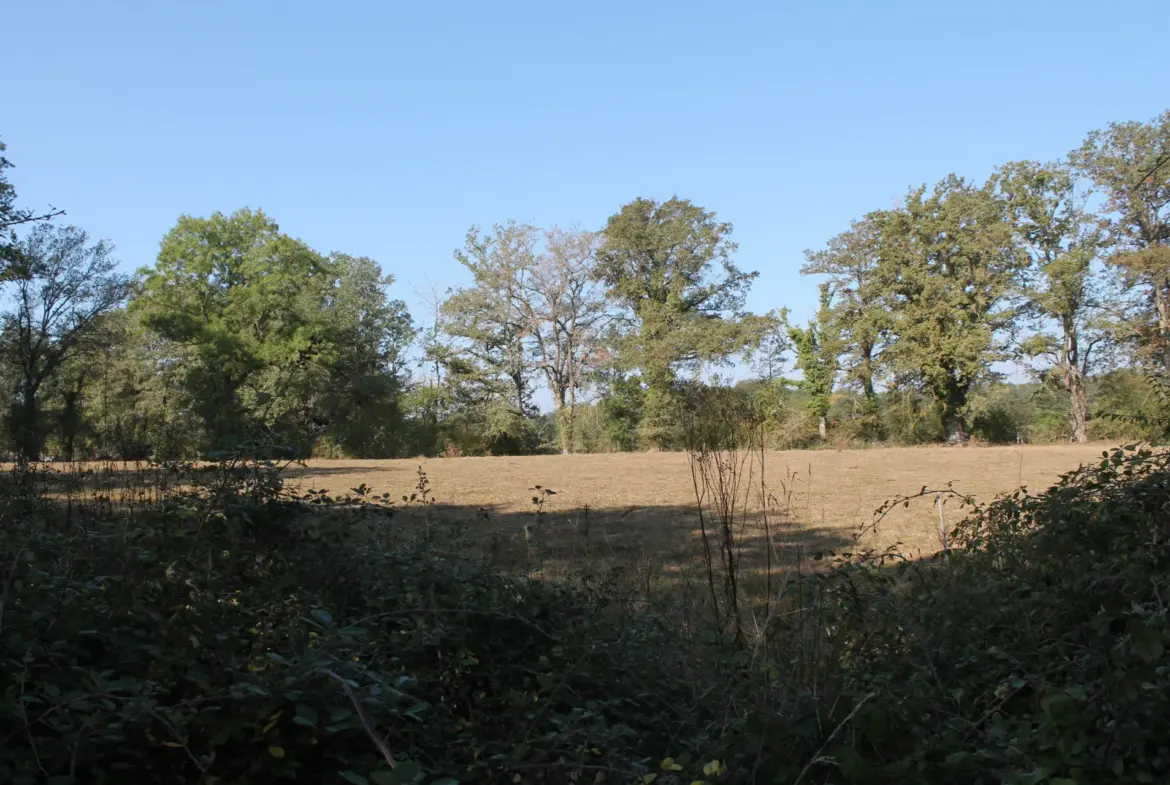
(643, 505)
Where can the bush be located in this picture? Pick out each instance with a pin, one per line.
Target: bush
(237, 633)
(222, 629)
(1034, 653)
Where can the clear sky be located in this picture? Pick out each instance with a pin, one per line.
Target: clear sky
(386, 129)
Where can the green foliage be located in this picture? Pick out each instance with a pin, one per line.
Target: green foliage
(221, 628)
(237, 632)
(622, 409)
(1129, 405)
(853, 302)
(1033, 413)
(12, 260)
(1130, 164)
(271, 337)
(1063, 301)
(948, 260)
(67, 289)
(670, 266)
(1035, 653)
(818, 348)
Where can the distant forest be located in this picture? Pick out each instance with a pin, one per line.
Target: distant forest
(240, 334)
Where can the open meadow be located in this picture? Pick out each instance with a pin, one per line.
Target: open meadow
(643, 506)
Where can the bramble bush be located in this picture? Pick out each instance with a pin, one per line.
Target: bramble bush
(227, 629)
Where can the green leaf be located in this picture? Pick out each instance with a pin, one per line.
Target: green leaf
(276, 752)
(321, 615)
(306, 715)
(1147, 644)
(355, 778)
(405, 772)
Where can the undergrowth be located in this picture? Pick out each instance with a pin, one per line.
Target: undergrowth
(226, 629)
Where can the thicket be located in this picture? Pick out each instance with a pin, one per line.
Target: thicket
(209, 625)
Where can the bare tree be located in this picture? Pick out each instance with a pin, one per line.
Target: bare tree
(56, 310)
(534, 306)
(566, 311)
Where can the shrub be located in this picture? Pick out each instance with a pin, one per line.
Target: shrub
(224, 629)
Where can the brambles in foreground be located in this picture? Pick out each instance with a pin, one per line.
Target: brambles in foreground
(236, 631)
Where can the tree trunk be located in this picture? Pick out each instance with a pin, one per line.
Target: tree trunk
(954, 401)
(26, 425)
(1079, 408)
(570, 418)
(823, 427)
(1075, 382)
(956, 429)
(1162, 306)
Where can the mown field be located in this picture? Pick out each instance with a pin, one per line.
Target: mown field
(642, 506)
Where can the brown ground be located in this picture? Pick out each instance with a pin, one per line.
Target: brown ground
(644, 504)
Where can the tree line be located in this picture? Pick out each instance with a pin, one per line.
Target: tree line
(241, 334)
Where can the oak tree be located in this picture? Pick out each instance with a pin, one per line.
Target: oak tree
(669, 266)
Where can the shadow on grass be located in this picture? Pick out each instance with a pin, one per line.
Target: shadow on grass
(662, 545)
(662, 539)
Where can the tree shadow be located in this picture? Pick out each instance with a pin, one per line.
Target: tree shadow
(666, 538)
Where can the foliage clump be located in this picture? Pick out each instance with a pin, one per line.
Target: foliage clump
(218, 627)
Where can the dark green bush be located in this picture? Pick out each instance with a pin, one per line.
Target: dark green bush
(233, 632)
(230, 633)
(1035, 653)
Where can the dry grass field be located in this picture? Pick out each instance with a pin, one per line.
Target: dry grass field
(643, 505)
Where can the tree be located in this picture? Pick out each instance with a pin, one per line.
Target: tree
(274, 339)
(818, 350)
(493, 331)
(10, 217)
(134, 402)
(851, 262)
(57, 306)
(1130, 163)
(566, 313)
(237, 301)
(947, 260)
(534, 292)
(1061, 239)
(361, 355)
(771, 354)
(669, 265)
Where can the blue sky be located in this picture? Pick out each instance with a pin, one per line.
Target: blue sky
(386, 129)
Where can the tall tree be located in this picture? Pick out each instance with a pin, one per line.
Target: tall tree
(363, 337)
(237, 300)
(532, 309)
(818, 352)
(851, 263)
(948, 260)
(135, 405)
(566, 312)
(669, 264)
(493, 331)
(12, 216)
(56, 308)
(274, 339)
(1062, 298)
(1130, 163)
